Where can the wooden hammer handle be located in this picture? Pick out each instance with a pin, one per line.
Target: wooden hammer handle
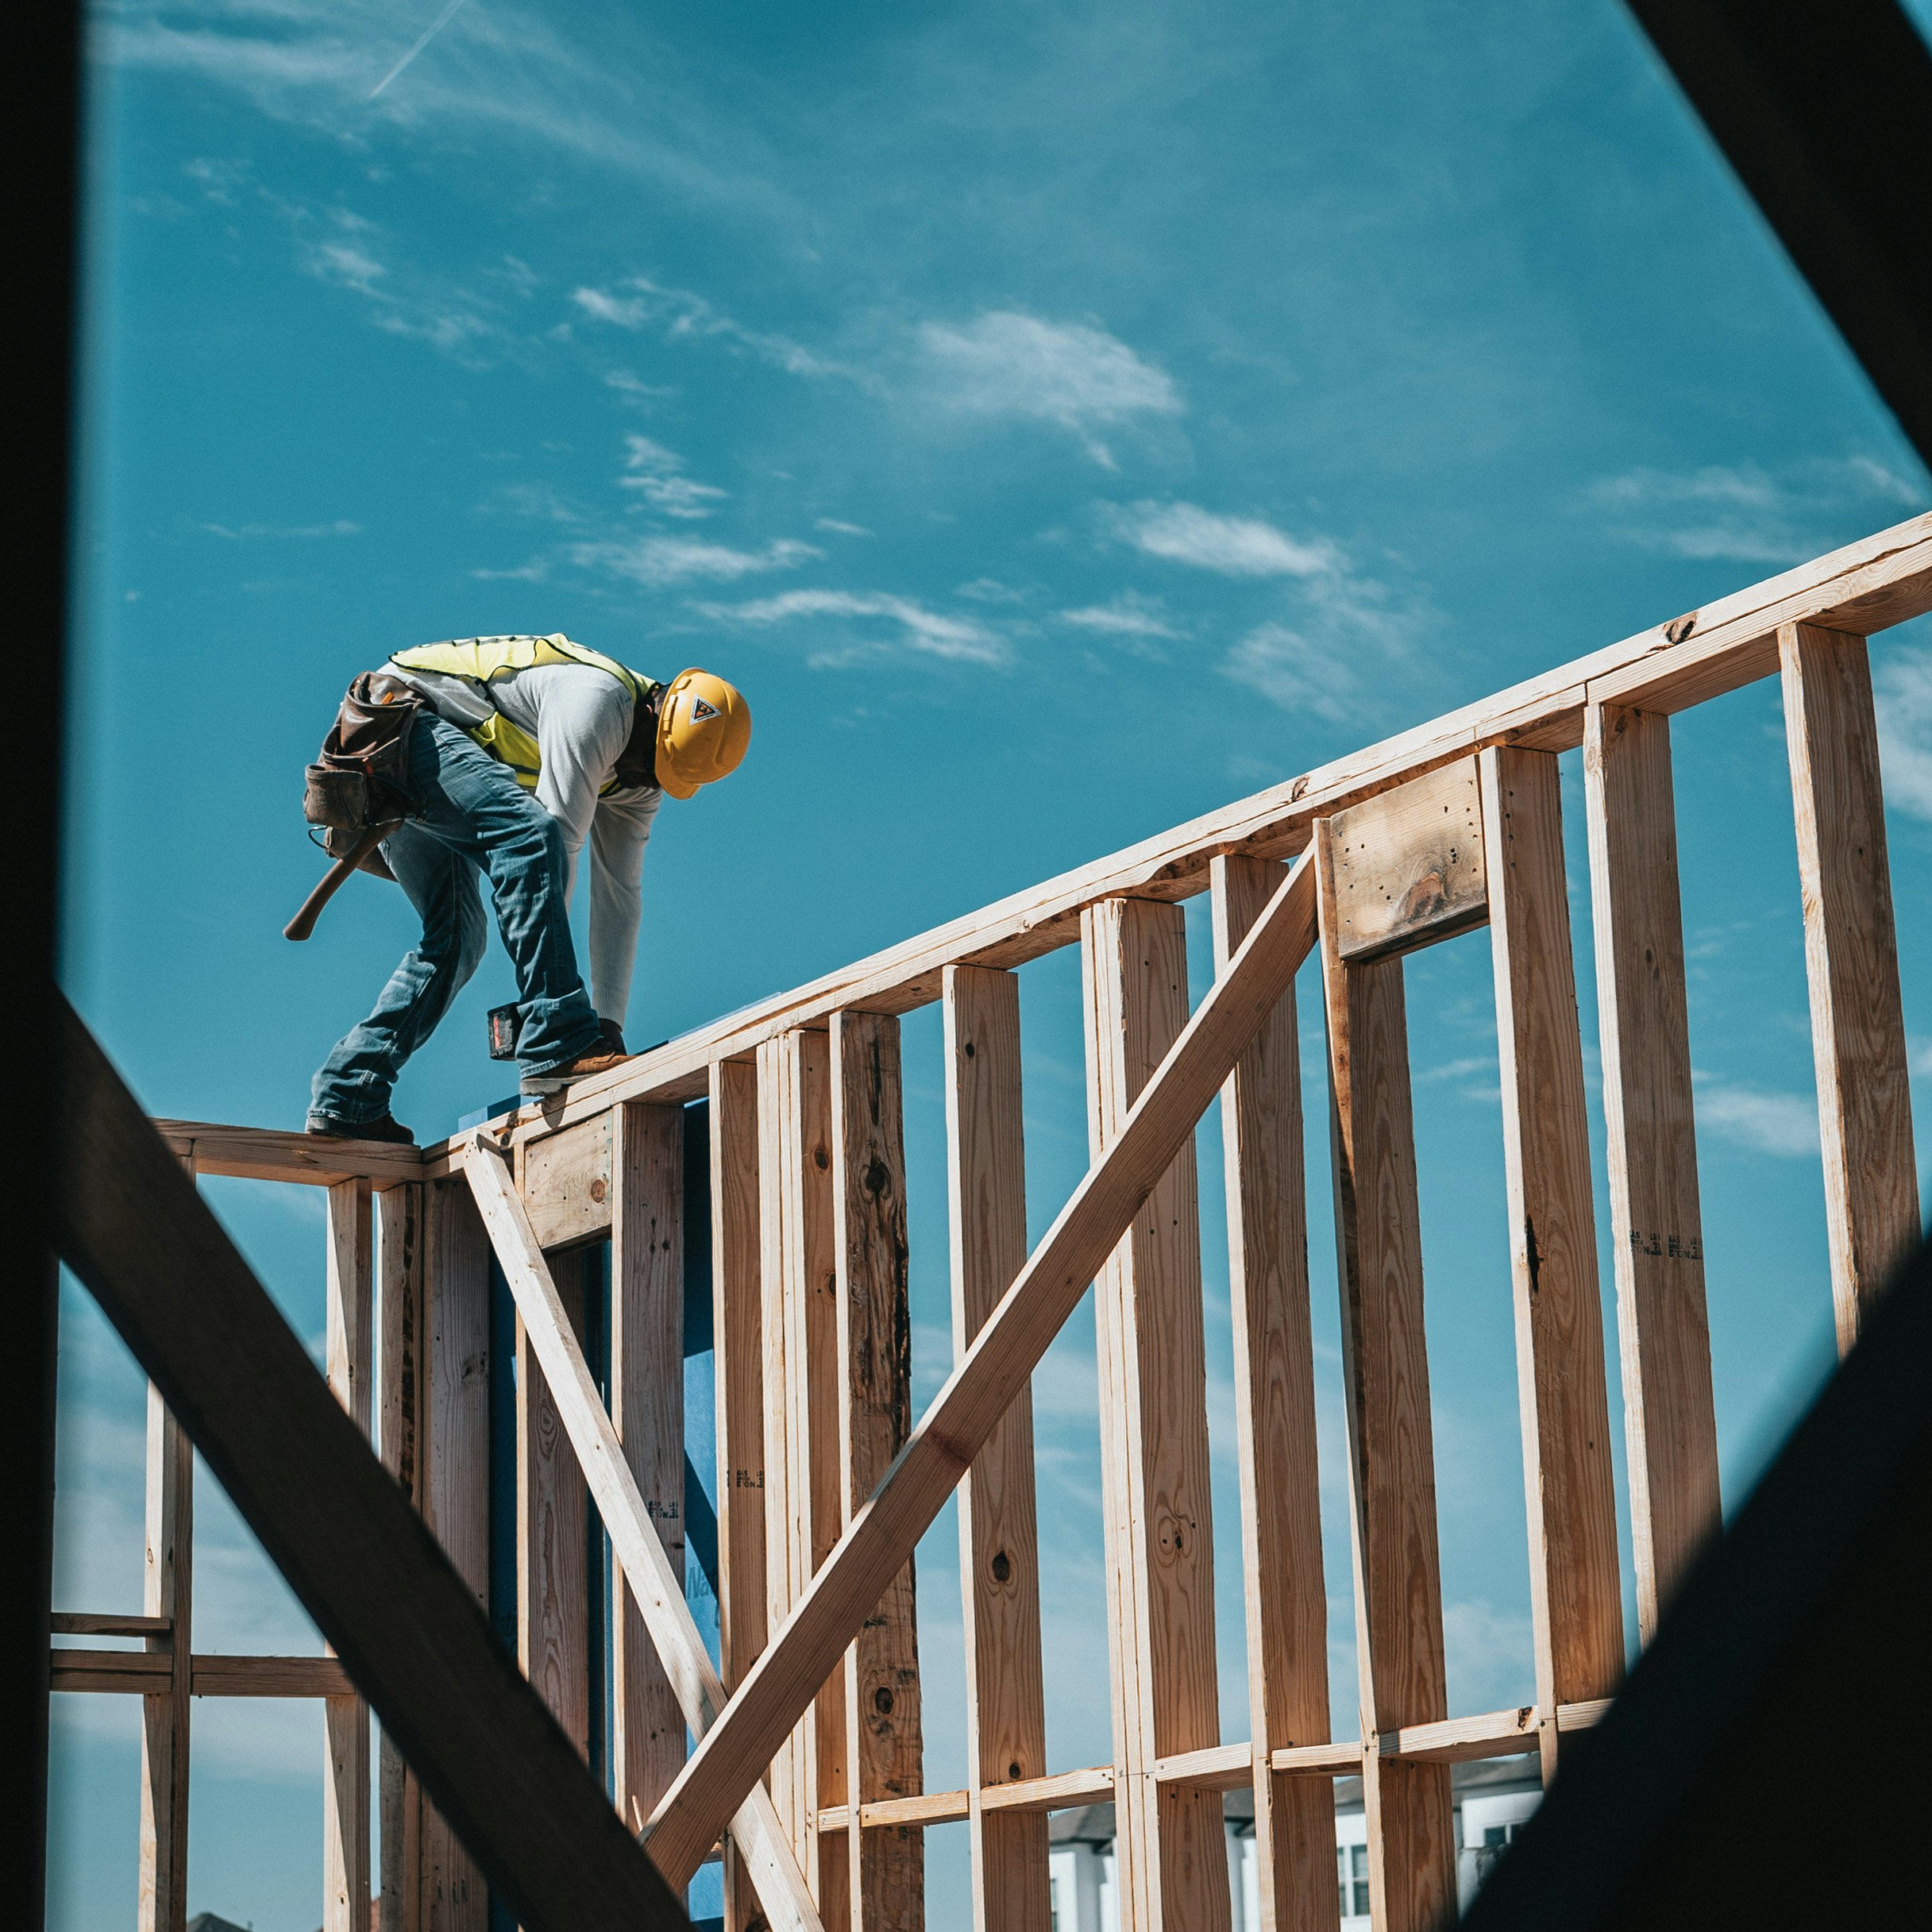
(303, 924)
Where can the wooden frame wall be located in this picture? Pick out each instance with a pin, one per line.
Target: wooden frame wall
(1172, 1869)
(825, 1484)
(998, 1553)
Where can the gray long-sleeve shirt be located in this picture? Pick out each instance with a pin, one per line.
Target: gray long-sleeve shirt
(580, 718)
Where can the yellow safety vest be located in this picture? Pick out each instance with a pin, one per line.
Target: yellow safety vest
(483, 659)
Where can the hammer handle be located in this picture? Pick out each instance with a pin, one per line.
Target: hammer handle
(303, 924)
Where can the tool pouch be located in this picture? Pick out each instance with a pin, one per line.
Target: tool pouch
(361, 777)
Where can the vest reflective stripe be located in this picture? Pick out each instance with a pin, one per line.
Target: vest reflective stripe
(484, 660)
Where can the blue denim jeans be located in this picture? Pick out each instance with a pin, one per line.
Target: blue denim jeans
(476, 819)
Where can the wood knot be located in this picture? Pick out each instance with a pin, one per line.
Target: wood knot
(1678, 628)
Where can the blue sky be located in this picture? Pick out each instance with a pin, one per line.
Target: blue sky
(1061, 420)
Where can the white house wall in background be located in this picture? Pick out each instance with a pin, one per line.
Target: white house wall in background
(1492, 1799)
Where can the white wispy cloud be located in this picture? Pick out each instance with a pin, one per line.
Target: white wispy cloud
(1234, 546)
(1781, 1123)
(1459, 1069)
(509, 71)
(1744, 512)
(658, 561)
(1901, 684)
(838, 528)
(1490, 1656)
(540, 502)
(1332, 652)
(220, 179)
(655, 473)
(1293, 670)
(307, 56)
(1004, 363)
(627, 383)
(345, 263)
(242, 533)
(990, 590)
(1130, 615)
(918, 630)
(424, 307)
(682, 315)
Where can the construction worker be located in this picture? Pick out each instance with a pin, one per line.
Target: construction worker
(529, 747)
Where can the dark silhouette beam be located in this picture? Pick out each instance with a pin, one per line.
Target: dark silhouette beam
(1765, 1765)
(1824, 109)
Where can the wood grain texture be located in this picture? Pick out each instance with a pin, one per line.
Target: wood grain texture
(1882, 579)
(144, 1674)
(399, 1402)
(658, 1591)
(138, 1672)
(568, 1184)
(738, 1327)
(927, 1808)
(998, 1553)
(737, 1324)
(647, 1406)
(802, 1396)
(346, 1812)
(884, 1729)
(1851, 965)
(1214, 1768)
(349, 1349)
(1463, 1741)
(272, 1154)
(455, 1455)
(553, 1581)
(1657, 1231)
(1058, 1792)
(1331, 1760)
(1391, 1452)
(1409, 866)
(1154, 1470)
(792, 1779)
(985, 1381)
(1576, 1592)
(168, 1590)
(1286, 1596)
(300, 1474)
(323, 1677)
(85, 1623)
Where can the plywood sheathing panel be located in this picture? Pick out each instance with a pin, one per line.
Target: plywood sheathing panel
(1409, 866)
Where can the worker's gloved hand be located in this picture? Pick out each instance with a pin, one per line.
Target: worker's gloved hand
(613, 1035)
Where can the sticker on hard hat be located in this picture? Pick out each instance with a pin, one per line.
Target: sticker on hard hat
(701, 711)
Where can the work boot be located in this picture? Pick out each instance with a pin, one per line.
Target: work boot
(600, 1059)
(384, 1128)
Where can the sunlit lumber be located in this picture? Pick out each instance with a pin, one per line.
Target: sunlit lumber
(735, 1752)
(659, 1592)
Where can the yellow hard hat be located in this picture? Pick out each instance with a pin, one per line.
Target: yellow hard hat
(704, 727)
